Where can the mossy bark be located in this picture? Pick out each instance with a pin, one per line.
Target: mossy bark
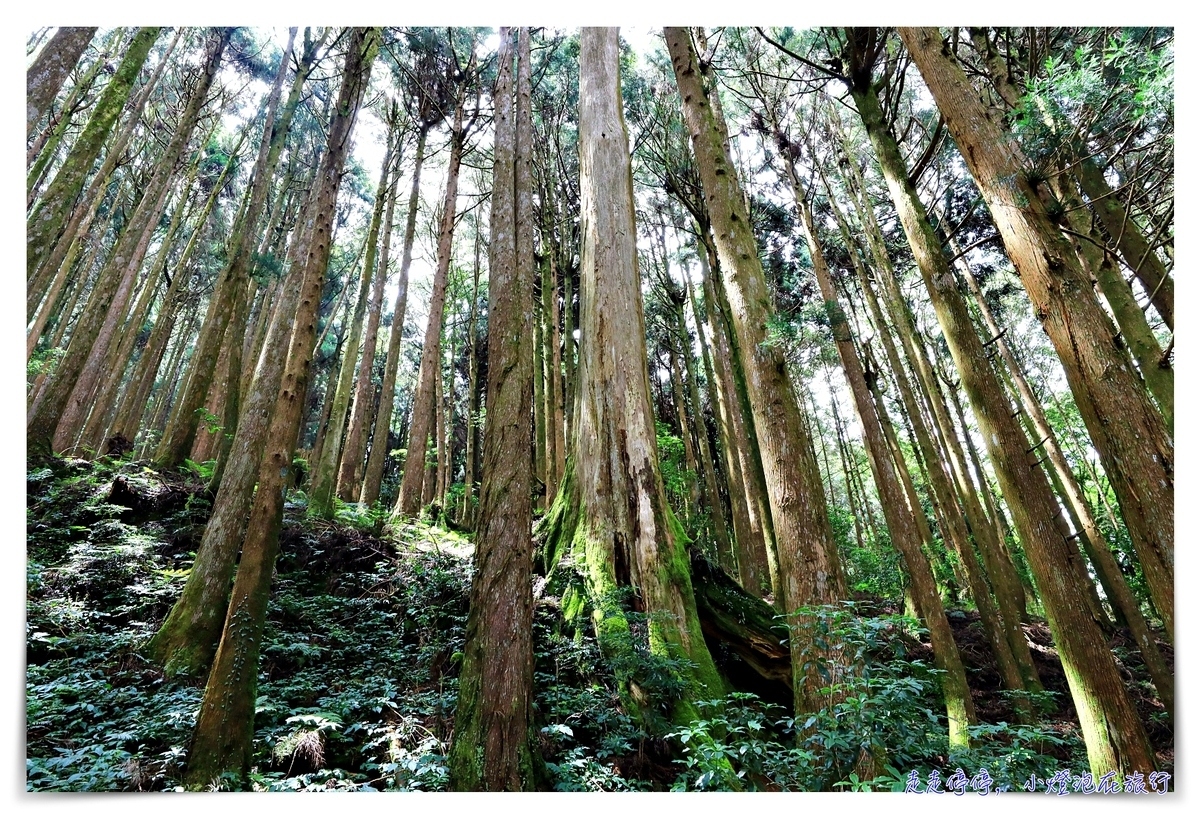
(493, 746)
(48, 72)
(46, 221)
(809, 568)
(611, 522)
(223, 739)
(232, 283)
(116, 279)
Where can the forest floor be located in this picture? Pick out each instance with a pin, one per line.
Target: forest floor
(360, 660)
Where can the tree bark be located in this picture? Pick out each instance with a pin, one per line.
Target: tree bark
(412, 488)
(808, 560)
(120, 268)
(387, 392)
(611, 515)
(1134, 445)
(1112, 732)
(223, 738)
(46, 221)
(493, 748)
(45, 77)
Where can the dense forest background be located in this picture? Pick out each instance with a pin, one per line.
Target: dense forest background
(528, 409)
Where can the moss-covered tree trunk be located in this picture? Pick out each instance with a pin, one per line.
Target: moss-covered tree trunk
(55, 262)
(753, 573)
(1131, 242)
(808, 562)
(232, 282)
(1091, 539)
(955, 488)
(46, 221)
(115, 281)
(223, 739)
(1112, 731)
(611, 519)
(492, 748)
(1134, 444)
(901, 521)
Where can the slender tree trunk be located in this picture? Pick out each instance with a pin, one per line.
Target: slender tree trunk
(901, 522)
(493, 747)
(1098, 692)
(1130, 240)
(81, 220)
(387, 393)
(46, 221)
(412, 489)
(223, 738)
(351, 470)
(467, 514)
(232, 281)
(324, 472)
(122, 266)
(808, 560)
(1129, 434)
(754, 564)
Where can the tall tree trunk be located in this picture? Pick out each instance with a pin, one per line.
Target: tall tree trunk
(808, 560)
(611, 512)
(493, 747)
(412, 488)
(46, 221)
(1129, 434)
(223, 738)
(1116, 589)
(45, 77)
(1130, 240)
(79, 223)
(232, 282)
(467, 513)
(750, 524)
(1009, 596)
(387, 392)
(121, 267)
(323, 483)
(351, 470)
(901, 521)
(1112, 732)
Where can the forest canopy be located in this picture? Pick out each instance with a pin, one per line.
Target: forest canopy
(740, 408)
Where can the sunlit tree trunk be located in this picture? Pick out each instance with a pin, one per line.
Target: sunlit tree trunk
(46, 221)
(223, 737)
(324, 472)
(45, 77)
(611, 516)
(1129, 434)
(808, 561)
(351, 469)
(1112, 731)
(232, 282)
(493, 747)
(116, 279)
